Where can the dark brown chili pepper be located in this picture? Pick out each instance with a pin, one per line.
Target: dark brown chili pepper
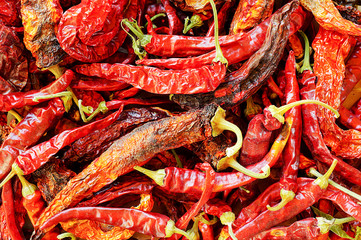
(141, 144)
(243, 83)
(40, 20)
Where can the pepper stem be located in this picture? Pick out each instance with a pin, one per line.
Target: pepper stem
(227, 218)
(157, 176)
(219, 124)
(55, 95)
(133, 26)
(7, 178)
(219, 55)
(171, 229)
(101, 108)
(16, 115)
(278, 112)
(314, 172)
(306, 59)
(232, 162)
(28, 188)
(252, 108)
(179, 163)
(66, 235)
(286, 197)
(195, 21)
(322, 181)
(324, 224)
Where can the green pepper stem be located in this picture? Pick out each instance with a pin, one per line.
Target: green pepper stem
(133, 26)
(227, 218)
(219, 55)
(252, 108)
(286, 197)
(56, 70)
(157, 176)
(16, 115)
(101, 108)
(66, 235)
(339, 221)
(306, 59)
(232, 162)
(28, 188)
(195, 21)
(324, 224)
(208, 222)
(219, 124)
(315, 173)
(322, 181)
(179, 163)
(278, 112)
(7, 178)
(55, 95)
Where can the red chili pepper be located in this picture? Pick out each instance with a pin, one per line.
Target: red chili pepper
(265, 100)
(206, 231)
(95, 33)
(35, 157)
(192, 80)
(306, 196)
(312, 133)
(7, 197)
(154, 9)
(241, 47)
(149, 223)
(348, 119)
(273, 86)
(130, 92)
(24, 136)
(20, 99)
(175, 24)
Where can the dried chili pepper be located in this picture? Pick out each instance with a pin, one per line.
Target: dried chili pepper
(174, 132)
(98, 84)
(250, 13)
(24, 136)
(93, 34)
(327, 15)
(175, 24)
(296, 45)
(273, 86)
(14, 65)
(306, 196)
(241, 49)
(343, 143)
(309, 228)
(10, 13)
(244, 82)
(291, 152)
(7, 197)
(348, 119)
(40, 20)
(20, 99)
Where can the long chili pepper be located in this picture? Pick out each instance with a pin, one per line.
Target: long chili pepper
(115, 104)
(327, 15)
(348, 119)
(189, 181)
(312, 133)
(306, 196)
(343, 143)
(33, 158)
(24, 136)
(175, 24)
(291, 152)
(244, 82)
(250, 13)
(7, 197)
(20, 99)
(273, 86)
(90, 229)
(133, 149)
(239, 50)
(153, 224)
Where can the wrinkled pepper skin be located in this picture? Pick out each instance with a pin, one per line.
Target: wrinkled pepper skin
(40, 20)
(24, 134)
(135, 148)
(90, 31)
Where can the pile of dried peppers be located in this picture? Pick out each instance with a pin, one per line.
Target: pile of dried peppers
(154, 119)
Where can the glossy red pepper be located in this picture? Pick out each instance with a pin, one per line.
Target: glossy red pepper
(21, 99)
(175, 24)
(98, 84)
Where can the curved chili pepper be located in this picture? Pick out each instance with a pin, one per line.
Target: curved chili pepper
(235, 52)
(273, 86)
(141, 144)
(306, 196)
(90, 40)
(250, 13)
(192, 80)
(175, 24)
(327, 15)
(24, 136)
(7, 197)
(291, 152)
(189, 181)
(20, 99)
(153, 224)
(348, 119)
(39, 20)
